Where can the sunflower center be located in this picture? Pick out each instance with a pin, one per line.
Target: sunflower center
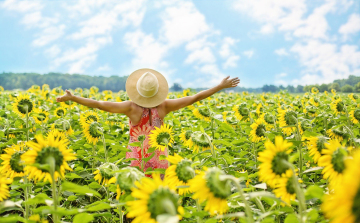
(356, 206)
(204, 112)
(337, 160)
(200, 139)
(320, 144)
(94, 130)
(163, 138)
(269, 119)
(91, 118)
(357, 114)
(220, 188)
(260, 130)
(244, 111)
(162, 201)
(141, 138)
(184, 171)
(290, 118)
(290, 187)
(45, 153)
(23, 105)
(340, 106)
(60, 112)
(276, 164)
(188, 134)
(15, 162)
(41, 116)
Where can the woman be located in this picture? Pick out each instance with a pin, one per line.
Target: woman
(147, 109)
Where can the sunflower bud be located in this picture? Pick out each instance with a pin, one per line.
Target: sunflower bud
(127, 177)
(219, 187)
(201, 139)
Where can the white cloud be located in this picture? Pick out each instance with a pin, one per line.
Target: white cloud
(281, 75)
(249, 53)
(352, 26)
(281, 52)
(227, 53)
(79, 59)
(203, 55)
(53, 51)
(325, 62)
(106, 67)
(21, 6)
(49, 35)
(267, 29)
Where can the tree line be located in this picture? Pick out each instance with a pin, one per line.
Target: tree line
(10, 81)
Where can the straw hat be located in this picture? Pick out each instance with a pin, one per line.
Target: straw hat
(147, 87)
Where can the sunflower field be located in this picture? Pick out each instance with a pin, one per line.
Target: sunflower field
(234, 157)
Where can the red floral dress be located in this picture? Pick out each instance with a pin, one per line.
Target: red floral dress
(144, 128)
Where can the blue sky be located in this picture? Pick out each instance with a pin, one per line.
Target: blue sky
(194, 43)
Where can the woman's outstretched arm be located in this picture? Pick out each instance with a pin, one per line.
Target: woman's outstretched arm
(113, 107)
(175, 104)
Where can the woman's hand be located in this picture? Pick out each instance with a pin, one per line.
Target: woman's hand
(65, 97)
(228, 83)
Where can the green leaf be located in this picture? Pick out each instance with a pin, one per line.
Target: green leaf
(313, 169)
(83, 218)
(162, 157)
(72, 176)
(148, 158)
(38, 199)
(85, 190)
(12, 218)
(135, 144)
(98, 206)
(314, 191)
(291, 218)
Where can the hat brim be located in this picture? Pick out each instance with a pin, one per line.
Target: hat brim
(145, 102)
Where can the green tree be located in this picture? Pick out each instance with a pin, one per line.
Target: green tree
(323, 87)
(176, 87)
(357, 87)
(335, 86)
(347, 88)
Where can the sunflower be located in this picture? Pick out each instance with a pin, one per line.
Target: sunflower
(41, 116)
(4, 188)
(272, 167)
(180, 173)
(314, 90)
(269, 121)
(61, 125)
(88, 117)
(104, 174)
(22, 104)
(333, 161)
(241, 112)
(314, 101)
(258, 130)
(40, 152)
(208, 186)
(201, 141)
(285, 188)
(353, 97)
(344, 204)
(153, 198)
(316, 146)
(336, 133)
(186, 92)
(202, 113)
(259, 108)
(287, 117)
(92, 132)
(56, 134)
(125, 180)
(355, 116)
(338, 106)
(60, 112)
(67, 104)
(185, 137)
(326, 93)
(162, 137)
(11, 165)
(333, 91)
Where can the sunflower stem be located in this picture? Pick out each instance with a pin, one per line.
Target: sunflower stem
(198, 207)
(51, 162)
(247, 207)
(104, 144)
(121, 215)
(255, 153)
(27, 124)
(27, 209)
(142, 157)
(299, 148)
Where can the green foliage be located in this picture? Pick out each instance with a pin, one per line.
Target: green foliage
(347, 88)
